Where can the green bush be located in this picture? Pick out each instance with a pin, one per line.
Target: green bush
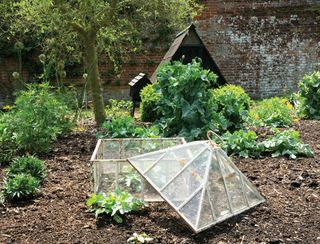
(123, 127)
(115, 204)
(183, 106)
(118, 108)
(309, 88)
(275, 112)
(149, 102)
(37, 119)
(28, 165)
(230, 105)
(20, 186)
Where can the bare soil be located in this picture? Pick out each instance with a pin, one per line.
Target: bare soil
(290, 214)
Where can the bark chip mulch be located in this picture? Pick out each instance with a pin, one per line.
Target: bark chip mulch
(291, 213)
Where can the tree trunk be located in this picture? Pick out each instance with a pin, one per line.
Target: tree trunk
(91, 62)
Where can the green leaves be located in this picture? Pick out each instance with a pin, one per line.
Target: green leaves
(309, 88)
(149, 102)
(287, 143)
(38, 118)
(118, 108)
(244, 143)
(21, 186)
(275, 112)
(28, 165)
(123, 127)
(183, 106)
(229, 107)
(282, 143)
(114, 204)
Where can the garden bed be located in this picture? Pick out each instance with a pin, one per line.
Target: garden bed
(291, 212)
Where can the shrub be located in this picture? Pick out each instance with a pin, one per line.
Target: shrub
(118, 108)
(287, 143)
(149, 102)
(114, 204)
(20, 186)
(309, 88)
(183, 106)
(38, 118)
(229, 106)
(243, 143)
(275, 112)
(123, 127)
(27, 165)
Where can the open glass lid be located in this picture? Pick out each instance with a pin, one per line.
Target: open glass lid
(199, 181)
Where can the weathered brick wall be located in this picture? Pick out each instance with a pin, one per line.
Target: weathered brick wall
(133, 64)
(265, 46)
(7, 83)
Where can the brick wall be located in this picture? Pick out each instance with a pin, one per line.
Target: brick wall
(132, 65)
(7, 83)
(265, 46)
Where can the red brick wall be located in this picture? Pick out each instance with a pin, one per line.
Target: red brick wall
(265, 46)
(7, 83)
(132, 65)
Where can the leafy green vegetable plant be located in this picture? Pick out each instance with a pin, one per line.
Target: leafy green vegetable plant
(243, 143)
(287, 143)
(183, 106)
(275, 112)
(149, 102)
(115, 204)
(309, 88)
(27, 165)
(230, 105)
(282, 143)
(123, 127)
(21, 186)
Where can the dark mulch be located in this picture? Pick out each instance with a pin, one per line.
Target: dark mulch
(290, 214)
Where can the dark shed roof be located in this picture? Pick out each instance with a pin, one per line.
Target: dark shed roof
(189, 45)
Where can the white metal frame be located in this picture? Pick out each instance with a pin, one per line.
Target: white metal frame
(98, 157)
(202, 187)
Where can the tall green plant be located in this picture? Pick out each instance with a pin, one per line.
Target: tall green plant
(230, 105)
(38, 118)
(8, 148)
(309, 88)
(183, 107)
(149, 102)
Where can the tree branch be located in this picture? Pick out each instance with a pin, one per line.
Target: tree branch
(79, 29)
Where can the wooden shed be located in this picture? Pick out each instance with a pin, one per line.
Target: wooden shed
(189, 45)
